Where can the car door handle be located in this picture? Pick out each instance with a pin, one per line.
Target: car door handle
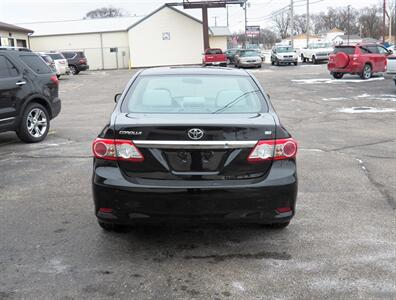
(19, 83)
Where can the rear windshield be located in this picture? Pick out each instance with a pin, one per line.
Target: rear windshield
(214, 51)
(35, 63)
(80, 54)
(347, 50)
(55, 55)
(194, 94)
(47, 58)
(248, 53)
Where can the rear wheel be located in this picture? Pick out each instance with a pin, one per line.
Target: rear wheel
(57, 76)
(34, 124)
(112, 227)
(272, 62)
(277, 62)
(338, 75)
(73, 70)
(277, 225)
(367, 72)
(314, 60)
(303, 59)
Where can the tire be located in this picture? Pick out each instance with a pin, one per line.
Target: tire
(272, 62)
(395, 81)
(367, 72)
(314, 60)
(277, 62)
(278, 225)
(35, 123)
(295, 63)
(112, 227)
(338, 75)
(303, 59)
(73, 70)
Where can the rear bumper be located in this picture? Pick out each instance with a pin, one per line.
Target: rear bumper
(355, 68)
(82, 67)
(255, 202)
(216, 63)
(55, 107)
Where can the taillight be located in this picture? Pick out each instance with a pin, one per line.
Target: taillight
(55, 80)
(355, 57)
(116, 150)
(82, 61)
(273, 149)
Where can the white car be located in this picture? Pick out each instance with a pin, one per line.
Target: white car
(316, 52)
(284, 55)
(391, 66)
(61, 65)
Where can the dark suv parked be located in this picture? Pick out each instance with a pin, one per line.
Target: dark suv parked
(76, 60)
(28, 95)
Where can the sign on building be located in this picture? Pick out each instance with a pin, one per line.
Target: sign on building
(166, 36)
(253, 30)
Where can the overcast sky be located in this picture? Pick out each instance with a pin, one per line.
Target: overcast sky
(23, 11)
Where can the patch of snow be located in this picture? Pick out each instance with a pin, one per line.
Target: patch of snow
(238, 286)
(365, 109)
(330, 81)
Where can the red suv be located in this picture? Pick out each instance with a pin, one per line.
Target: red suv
(361, 59)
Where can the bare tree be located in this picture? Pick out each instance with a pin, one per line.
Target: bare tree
(105, 12)
(300, 24)
(370, 22)
(281, 23)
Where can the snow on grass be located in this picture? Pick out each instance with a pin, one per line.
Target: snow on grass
(365, 109)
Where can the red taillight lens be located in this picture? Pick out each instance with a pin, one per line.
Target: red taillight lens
(273, 149)
(82, 61)
(116, 150)
(54, 79)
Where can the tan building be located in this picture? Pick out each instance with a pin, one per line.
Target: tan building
(14, 36)
(167, 36)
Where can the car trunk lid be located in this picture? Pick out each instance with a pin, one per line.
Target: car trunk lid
(172, 150)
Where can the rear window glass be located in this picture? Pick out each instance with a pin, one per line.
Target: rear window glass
(214, 51)
(80, 54)
(200, 94)
(347, 50)
(55, 55)
(47, 58)
(69, 54)
(35, 63)
(248, 53)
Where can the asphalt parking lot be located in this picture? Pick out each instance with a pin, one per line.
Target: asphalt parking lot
(340, 245)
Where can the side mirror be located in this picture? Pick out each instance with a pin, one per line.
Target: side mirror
(390, 52)
(268, 95)
(117, 97)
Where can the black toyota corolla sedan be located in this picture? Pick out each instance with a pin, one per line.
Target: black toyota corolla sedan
(194, 144)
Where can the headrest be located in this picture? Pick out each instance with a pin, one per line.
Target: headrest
(157, 98)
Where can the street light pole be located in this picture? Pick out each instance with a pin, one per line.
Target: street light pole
(349, 7)
(292, 22)
(245, 8)
(383, 21)
(307, 23)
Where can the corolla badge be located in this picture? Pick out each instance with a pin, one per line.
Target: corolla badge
(195, 134)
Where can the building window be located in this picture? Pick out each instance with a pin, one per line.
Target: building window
(21, 43)
(11, 42)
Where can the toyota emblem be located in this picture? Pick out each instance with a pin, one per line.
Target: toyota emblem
(195, 134)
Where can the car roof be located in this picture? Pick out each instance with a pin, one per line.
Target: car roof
(194, 71)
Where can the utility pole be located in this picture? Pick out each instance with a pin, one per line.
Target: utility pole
(349, 8)
(245, 7)
(205, 27)
(307, 23)
(292, 22)
(394, 28)
(383, 21)
(227, 16)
